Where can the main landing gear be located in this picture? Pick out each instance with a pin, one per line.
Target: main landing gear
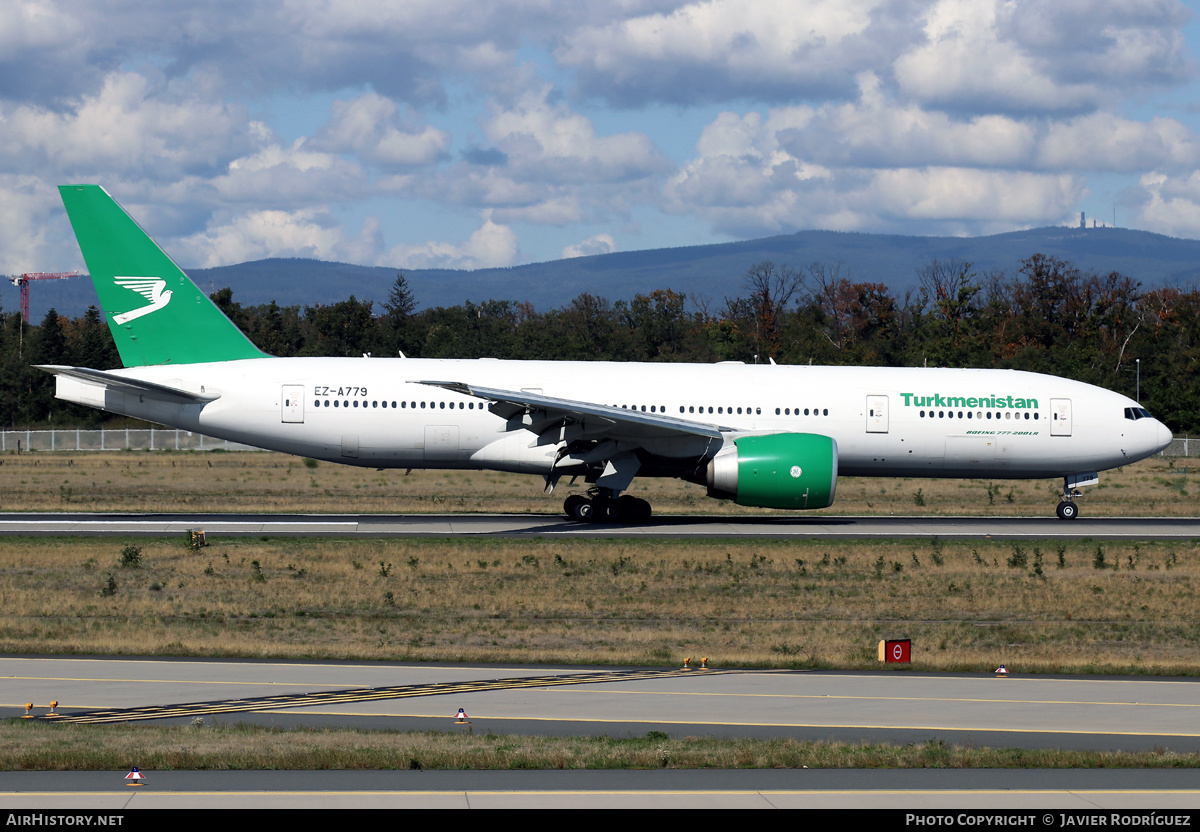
(604, 506)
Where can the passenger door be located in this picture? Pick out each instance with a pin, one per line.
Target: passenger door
(1060, 417)
(877, 414)
(292, 404)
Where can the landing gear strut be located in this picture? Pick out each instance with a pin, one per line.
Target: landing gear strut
(1067, 510)
(604, 506)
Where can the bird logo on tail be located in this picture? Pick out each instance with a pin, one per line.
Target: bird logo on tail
(151, 288)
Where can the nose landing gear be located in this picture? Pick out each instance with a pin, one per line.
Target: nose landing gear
(1067, 510)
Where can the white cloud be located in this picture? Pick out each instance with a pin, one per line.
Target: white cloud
(293, 175)
(27, 206)
(972, 55)
(547, 164)
(129, 126)
(1103, 141)
(562, 209)
(550, 141)
(1042, 55)
(741, 165)
(715, 50)
(490, 245)
(918, 116)
(596, 244)
(367, 126)
(878, 132)
(309, 232)
(1171, 204)
(873, 172)
(1000, 198)
(255, 235)
(35, 25)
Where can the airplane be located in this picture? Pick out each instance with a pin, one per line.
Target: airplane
(762, 435)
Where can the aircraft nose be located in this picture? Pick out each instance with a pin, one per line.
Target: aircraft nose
(1163, 435)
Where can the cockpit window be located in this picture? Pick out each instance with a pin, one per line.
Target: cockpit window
(1135, 413)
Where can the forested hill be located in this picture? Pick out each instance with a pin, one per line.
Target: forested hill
(709, 271)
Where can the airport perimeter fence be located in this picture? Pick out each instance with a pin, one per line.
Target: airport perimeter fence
(164, 439)
(1180, 446)
(121, 439)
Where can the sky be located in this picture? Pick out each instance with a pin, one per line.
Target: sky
(444, 133)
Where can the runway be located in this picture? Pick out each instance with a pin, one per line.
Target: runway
(1031, 712)
(534, 525)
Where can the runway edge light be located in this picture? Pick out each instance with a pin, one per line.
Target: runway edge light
(134, 777)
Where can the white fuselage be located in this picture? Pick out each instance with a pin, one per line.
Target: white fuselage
(886, 421)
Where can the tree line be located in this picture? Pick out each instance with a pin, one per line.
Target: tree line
(1048, 317)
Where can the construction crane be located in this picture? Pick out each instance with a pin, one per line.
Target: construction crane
(22, 282)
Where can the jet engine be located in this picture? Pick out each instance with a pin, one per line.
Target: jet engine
(778, 470)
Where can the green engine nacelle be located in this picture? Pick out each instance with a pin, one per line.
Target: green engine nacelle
(778, 470)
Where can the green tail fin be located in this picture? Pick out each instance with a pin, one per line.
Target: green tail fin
(156, 314)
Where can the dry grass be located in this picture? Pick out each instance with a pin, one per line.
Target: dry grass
(968, 606)
(267, 482)
(34, 747)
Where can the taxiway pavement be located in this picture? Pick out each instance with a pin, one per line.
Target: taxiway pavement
(1034, 711)
(1040, 711)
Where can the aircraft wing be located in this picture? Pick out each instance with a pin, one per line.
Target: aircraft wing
(540, 413)
(130, 385)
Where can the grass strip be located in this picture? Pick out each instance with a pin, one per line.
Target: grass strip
(189, 481)
(1037, 606)
(28, 746)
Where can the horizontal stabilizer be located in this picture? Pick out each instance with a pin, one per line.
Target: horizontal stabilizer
(130, 385)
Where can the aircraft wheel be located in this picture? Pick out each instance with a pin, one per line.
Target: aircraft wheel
(571, 506)
(634, 510)
(585, 511)
(1067, 510)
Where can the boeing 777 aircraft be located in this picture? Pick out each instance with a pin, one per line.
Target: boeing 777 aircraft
(763, 435)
